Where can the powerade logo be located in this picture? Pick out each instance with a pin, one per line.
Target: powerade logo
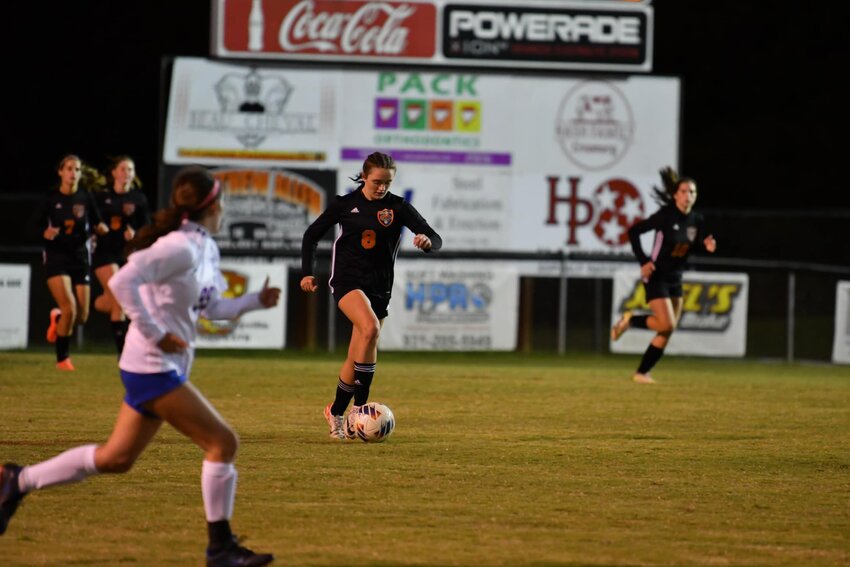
(438, 103)
(707, 305)
(444, 302)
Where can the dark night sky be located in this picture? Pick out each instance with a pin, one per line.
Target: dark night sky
(763, 112)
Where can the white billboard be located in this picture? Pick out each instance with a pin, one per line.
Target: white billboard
(440, 305)
(15, 299)
(247, 115)
(494, 161)
(265, 328)
(714, 314)
(841, 340)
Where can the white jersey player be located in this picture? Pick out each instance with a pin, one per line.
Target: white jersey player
(171, 278)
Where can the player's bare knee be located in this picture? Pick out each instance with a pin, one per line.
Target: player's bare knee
(224, 448)
(371, 331)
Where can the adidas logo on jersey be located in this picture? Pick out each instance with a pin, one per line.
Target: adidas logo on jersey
(355, 210)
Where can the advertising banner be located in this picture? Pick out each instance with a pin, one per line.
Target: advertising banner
(265, 328)
(493, 162)
(327, 30)
(441, 305)
(841, 341)
(241, 115)
(468, 207)
(497, 33)
(540, 35)
(440, 119)
(269, 209)
(713, 321)
(15, 299)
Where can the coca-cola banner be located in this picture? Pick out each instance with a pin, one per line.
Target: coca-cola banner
(496, 33)
(325, 29)
(238, 114)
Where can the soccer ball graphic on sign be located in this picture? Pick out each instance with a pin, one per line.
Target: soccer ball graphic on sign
(372, 423)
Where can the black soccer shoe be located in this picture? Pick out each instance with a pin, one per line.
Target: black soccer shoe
(10, 494)
(234, 555)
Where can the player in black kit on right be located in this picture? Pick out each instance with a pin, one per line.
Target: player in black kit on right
(371, 220)
(677, 230)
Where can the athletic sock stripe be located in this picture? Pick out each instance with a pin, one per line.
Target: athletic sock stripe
(364, 367)
(345, 387)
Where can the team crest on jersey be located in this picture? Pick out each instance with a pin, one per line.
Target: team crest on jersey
(385, 217)
(128, 209)
(79, 211)
(691, 232)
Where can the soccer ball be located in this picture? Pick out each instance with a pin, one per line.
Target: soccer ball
(371, 423)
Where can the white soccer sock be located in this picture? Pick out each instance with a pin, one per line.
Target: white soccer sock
(73, 465)
(218, 487)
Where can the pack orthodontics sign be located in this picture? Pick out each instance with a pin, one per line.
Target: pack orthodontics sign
(543, 34)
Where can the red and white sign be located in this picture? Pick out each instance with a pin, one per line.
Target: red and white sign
(325, 29)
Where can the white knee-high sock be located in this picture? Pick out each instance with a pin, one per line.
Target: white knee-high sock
(218, 487)
(73, 465)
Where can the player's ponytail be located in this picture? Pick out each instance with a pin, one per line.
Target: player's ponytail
(194, 190)
(670, 182)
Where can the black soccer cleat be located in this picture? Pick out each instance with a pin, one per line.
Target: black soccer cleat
(234, 555)
(10, 494)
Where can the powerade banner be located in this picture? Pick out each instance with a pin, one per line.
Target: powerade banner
(265, 328)
(714, 314)
(541, 35)
(441, 305)
(15, 299)
(841, 341)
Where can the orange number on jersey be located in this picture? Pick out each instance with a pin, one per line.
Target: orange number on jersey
(69, 226)
(367, 239)
(680, 250)
(115, 222)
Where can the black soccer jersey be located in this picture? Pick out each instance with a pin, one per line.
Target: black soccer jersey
(676, 234)
(365, 249)
(118, 211)
(75, 216)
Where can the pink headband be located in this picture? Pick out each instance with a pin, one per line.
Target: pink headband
(210, 196)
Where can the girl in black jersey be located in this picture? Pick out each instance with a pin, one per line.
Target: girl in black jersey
(124, 211)
(370, 220)
(677, 230)
(70, 218)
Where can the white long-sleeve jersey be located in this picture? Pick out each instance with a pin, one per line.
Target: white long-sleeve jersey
(164, 288)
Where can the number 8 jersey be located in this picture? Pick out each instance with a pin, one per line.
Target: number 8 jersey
(365, 249)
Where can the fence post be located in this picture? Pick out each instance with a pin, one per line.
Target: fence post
(792, 284)
(562, 307)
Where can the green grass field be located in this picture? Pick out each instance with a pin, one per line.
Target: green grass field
(497, 459)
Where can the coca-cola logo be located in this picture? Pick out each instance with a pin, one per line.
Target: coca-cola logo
(374, 28)
(330, 28)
